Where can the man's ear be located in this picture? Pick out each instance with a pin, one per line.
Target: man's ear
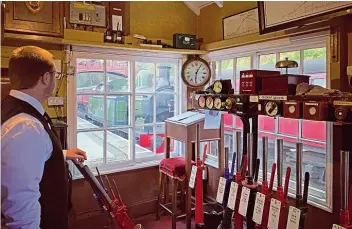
(46, 78)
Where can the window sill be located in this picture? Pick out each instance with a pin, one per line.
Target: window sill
(104, 169)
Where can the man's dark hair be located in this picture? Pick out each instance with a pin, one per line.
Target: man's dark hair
(27, 64)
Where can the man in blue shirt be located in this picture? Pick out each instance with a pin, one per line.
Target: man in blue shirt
(34, 174)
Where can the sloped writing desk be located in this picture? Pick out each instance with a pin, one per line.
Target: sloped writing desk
(183, 128)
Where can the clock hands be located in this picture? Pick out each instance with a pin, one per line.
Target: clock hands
(195, 77)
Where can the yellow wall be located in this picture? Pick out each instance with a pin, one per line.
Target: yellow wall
(161, 19)
(210, 18)
(6, 52)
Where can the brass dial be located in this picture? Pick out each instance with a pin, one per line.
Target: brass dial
(217, 86)
(201, 101)
(271, 108)
(218, 103)
(229, 103)
(209, 102)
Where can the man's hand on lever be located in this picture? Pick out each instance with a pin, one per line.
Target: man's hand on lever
(76, 153)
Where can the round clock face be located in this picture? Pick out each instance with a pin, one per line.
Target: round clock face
(201, 101)
(196, 72)
(217, 86)
(217, 103)
(271, 108)
(209, 103)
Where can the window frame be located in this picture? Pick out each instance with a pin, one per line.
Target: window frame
(132, 57)
(310, 41)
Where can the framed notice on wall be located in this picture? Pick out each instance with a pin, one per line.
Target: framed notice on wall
(241, 24)
(275, 16)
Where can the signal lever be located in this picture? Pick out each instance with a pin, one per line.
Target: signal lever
(267, 191)
(116, 210)
(241, 169)
(301, 201)
(281, 193)
(344, 187)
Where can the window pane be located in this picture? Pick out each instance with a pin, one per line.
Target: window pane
(144, 141)
(93, 144)
(294, 55)
(86, 105)
(117, 73)
(242, 63)
(314, 162)
(270, 154)
(90, 111)
(238, 123)
(289, 160)
(160, 140)
(165, 77)
(267, 62)
(228, 119)
(89, 75)
(288, 126)
(145, 73)
(314, 130)
(165, 106)
(266, 123)
(315, 65)
(118, 145)
(117, 110)
(144, 109)
(227, 69)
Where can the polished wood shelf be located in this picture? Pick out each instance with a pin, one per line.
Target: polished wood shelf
(8, 37)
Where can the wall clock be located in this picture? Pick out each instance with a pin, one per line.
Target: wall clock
(195, 72)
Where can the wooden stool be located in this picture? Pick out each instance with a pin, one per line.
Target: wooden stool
(171, 169)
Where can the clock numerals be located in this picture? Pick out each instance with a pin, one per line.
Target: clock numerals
(196, 73)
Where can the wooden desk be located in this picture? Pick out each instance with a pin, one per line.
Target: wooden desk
(186, 132)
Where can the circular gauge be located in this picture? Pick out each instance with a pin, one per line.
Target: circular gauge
(291, 109)
(271, 108)
(201, 101)
(209, 102)
(217, 86)
(217, 103)
(229, 103)
(312, 111)
(341, 113)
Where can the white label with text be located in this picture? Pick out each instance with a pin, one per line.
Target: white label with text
(294, 214)
(244, 201)
(258, 208)
(221, 190)
(192, 179)
(232, 196)
(273, 97)
(335, 226)
(274, 214)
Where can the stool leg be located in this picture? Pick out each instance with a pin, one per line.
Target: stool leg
(161, 176)
(183, 195)
(166, 189)
(174, 185)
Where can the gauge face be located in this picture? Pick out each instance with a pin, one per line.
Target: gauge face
(271, 108)
(229, 103)
(291, 109)
(217, 103)
(201, 101)
(312, 111)
(209, 103)
(217, 86)
(340, 113)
